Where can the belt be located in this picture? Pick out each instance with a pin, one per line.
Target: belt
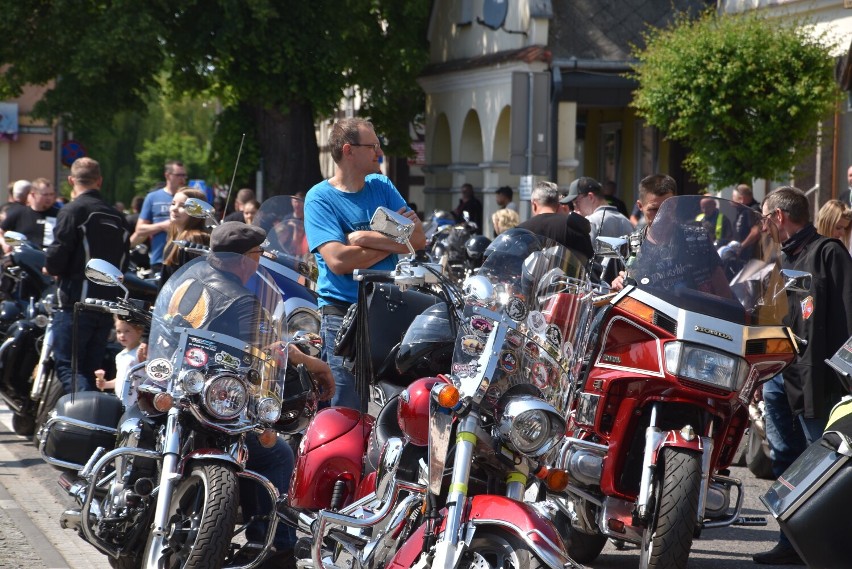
(334, 309)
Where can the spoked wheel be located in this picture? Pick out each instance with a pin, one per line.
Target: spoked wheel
(667, 539)
(201, 519)
(497, 549)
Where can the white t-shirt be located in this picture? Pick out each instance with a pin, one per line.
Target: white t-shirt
(124, 360)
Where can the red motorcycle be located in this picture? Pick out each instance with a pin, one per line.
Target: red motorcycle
(657, 419)
(438, 478)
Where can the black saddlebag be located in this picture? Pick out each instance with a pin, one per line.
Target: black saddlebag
(75, 429)
(809, 501)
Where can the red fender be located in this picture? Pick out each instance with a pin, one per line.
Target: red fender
(487, 510)
(676, 439)
(332, 449)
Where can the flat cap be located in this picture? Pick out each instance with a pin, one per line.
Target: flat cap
(236, 237)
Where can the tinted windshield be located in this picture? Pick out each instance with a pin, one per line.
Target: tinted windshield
(283, 218)
(221, 312)
(692, 256)
(531, 298)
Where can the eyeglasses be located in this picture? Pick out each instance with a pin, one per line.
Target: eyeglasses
(376, 146)
(177, 175)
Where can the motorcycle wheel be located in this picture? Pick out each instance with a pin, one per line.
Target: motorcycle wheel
(23, 425)
(757, 456)
(581, 547)
(667, 539)
(497, 549)
(201, 518)
(51, 395)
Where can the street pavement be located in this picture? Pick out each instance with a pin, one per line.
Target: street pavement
(31, 503)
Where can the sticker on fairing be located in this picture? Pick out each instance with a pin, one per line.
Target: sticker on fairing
(540, 375)
(536, 322)
(516, 309)
(159, 369)
(227, 360)
(554, 335)
(195, 357)
(472, 346)
(508, 361)
(481, 326)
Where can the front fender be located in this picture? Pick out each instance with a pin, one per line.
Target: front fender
(675, 439)
(209, 455)
(497, 511)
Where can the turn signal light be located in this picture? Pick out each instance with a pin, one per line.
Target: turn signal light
(448, 396)
(556, 480)
(638, 309)
(615, 525)
(163, 402)
(267, 438)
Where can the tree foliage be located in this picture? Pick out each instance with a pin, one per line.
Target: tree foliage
(743, 93)
(279, 64)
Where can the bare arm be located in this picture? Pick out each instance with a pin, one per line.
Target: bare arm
(318, 369)
(145, 229)
(343, 259)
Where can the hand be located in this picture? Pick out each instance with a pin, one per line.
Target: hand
(409, 213)
(618, 282)
(100, 382)
(319, 370)
(142, 352)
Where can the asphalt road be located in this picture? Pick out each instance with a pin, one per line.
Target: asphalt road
(31, 503)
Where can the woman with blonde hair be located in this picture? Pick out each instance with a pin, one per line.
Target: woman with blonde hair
(835, 220)
(183, 227)
(504, 219)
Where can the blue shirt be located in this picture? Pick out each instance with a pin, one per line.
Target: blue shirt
(331, 215)
(155, 209)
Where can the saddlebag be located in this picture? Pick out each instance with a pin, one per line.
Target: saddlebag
(77, 428)
(807, 500)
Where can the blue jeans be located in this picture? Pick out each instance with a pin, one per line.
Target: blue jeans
(276, 464)
(813, 428)
(92, 334)
(344, 393)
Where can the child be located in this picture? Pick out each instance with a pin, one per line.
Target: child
(129, 335)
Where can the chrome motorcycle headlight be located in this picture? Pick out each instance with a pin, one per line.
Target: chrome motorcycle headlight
(224, 396)
(532, 426)
(192, 381)
(268, 410)
(705, 365)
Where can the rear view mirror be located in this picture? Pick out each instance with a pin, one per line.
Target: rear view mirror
(394, 225)
(611, 247)
(796, 281)
(200, 209)
(14, 238)
(104, 273)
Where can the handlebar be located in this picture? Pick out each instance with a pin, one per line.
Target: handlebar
(373, 275)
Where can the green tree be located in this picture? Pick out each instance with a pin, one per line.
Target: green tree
(743, 93)
(279, 63)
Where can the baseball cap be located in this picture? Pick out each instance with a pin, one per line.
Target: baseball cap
(580, 186)
(236, 237)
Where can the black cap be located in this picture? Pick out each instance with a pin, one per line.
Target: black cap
(236, 237)
(580, 186)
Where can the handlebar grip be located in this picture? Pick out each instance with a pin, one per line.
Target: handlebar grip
(373, 275)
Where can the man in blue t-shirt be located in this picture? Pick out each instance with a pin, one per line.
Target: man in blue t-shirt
(154, 219)
(337, 224)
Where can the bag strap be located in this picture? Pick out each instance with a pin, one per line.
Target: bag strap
(363, 364)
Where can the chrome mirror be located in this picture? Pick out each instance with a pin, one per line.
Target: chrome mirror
(14, 238)
(796, 281)
(195, 207)
(394, 225)
(105, 274)
(611, 247)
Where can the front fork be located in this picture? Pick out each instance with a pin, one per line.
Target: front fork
(655, 439)
(41, 369)
(168, 476)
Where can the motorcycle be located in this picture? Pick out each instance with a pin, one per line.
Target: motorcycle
(166, 492)
(659, 414)
(23, 318)
(437, 479)
(456, 247)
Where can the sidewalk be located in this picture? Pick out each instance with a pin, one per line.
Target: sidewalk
(30, 535)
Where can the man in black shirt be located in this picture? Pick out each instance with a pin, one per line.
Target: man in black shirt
(38, 220)
(571, 230)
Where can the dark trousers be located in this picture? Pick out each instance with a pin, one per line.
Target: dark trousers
(92, 334)
(276, 464)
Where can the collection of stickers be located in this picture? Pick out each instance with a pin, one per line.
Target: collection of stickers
(532, 353)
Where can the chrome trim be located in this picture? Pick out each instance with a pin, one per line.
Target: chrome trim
(619, 509)
(653, 438)
(724, 522)
(273, 520)
(53, 420)
(519, 404)
(554, 558)
(706, 456)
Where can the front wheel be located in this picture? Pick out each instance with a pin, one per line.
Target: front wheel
(53, 390)
(497, 549)
(201, 518)
(667, 539)
(581, 547)
(23, 424)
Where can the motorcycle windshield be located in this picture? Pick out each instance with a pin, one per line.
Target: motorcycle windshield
(283, 218)
(526, 319)
(692, 256)
(220, 316)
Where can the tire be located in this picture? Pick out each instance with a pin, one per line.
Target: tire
(52, 392)
(667, 539)
(581, 547)
(201, 518)
(23, 425)
(498, 549)
(757, 455)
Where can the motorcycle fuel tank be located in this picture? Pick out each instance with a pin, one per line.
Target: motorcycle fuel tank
(332, 450)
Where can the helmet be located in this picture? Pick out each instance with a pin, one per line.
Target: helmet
(475, 247)
(413, 411)
(427, 347)
(516, 241)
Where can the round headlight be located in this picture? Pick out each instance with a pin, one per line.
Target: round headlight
(530, 430)
(304, 319)
(268, 410)
(192, 381)
(225, 396)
